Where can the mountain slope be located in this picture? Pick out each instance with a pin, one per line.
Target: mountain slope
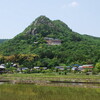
(74, 48)
(2, 40)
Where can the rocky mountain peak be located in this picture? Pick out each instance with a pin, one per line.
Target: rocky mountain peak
(42, 20)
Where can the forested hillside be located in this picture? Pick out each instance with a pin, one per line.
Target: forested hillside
(74, 48)
(2, 40)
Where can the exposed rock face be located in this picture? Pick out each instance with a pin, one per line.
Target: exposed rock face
(43, 20)
(33, 31)
(29, 31)
(40, 22)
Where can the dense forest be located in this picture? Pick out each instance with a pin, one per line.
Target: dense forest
(74, 48)
(2, 40)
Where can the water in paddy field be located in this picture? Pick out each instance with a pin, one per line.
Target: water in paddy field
(82, 84)
(62, 83)
(4, 83)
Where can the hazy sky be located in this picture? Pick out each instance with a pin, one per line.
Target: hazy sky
(82, 16)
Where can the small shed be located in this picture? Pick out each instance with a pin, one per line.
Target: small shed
(44, 68)
(68, 67)
(60, 67)
(24, 68)
(2, 69)
(74, 68)
(15, 65)
(36, 67)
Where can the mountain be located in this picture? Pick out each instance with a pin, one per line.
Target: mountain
(54, 42)
(2, 40)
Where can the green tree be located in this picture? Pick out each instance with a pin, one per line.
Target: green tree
(97, 66)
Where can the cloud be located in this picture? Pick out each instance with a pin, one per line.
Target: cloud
(71, 4)
(74, 4)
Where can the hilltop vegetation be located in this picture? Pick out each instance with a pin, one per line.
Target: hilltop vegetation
(74, 48)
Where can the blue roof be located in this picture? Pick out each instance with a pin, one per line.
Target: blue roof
(76, 65)
(68, 66)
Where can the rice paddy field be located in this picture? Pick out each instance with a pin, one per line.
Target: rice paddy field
(35, 92)
(50, 75)
(36, 87)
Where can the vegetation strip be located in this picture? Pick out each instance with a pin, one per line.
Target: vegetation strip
(4, 80)
(75, 82)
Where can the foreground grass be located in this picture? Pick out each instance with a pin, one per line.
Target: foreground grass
(34, 92)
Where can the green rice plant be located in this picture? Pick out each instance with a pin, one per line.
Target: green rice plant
(35, 92)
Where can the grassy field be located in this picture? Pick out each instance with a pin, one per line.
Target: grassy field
(48, 91)
(35, 92)
(52, 75)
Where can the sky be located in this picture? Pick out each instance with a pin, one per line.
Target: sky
(82, 16)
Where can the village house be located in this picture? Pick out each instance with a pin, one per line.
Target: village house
(2, 69)
(85, 67)
(60, 67)
(38, 68)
